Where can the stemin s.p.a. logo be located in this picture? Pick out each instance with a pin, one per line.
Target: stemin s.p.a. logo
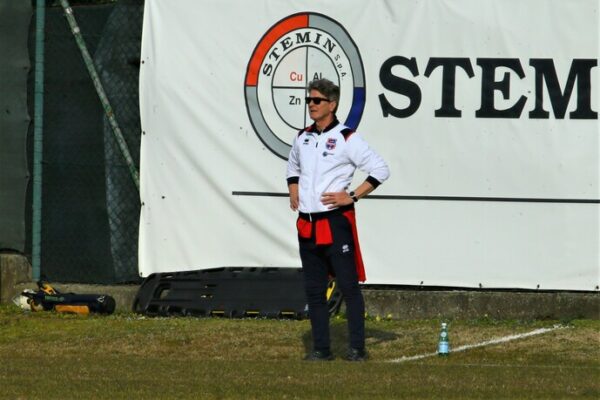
(293, 52)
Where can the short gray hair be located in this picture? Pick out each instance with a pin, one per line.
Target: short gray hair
(327, 89)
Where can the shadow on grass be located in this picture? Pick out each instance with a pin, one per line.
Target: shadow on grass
(338, 332)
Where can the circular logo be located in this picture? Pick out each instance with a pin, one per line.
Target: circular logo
(292, 53)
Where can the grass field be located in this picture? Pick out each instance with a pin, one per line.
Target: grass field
(51, 356)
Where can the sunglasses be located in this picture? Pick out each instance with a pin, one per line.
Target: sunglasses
(316, 100)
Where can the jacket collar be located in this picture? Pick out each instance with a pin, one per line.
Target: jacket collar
(333, 124)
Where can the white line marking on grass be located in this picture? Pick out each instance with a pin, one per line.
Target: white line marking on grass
(482, 344)
(529, 366)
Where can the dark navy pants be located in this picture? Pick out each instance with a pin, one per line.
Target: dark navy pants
(318, 261)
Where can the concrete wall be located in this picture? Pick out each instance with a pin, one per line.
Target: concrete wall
(414, 304)
(14, 271)
(15, 276)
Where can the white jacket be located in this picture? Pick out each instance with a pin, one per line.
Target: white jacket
(325, 162)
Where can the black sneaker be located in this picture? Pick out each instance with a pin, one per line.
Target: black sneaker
(319, 355)
(356, 355)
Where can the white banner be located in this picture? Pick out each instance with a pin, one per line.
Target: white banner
(486, 112)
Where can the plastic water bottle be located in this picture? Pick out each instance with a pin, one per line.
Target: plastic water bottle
(443, 343)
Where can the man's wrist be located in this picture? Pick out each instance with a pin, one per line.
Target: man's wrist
(353, 196)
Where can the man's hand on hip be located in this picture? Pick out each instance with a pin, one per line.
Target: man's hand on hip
(336, 199)
(294, 198)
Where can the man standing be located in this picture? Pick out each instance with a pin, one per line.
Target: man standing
(320, 168)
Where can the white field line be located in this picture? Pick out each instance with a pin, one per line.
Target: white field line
(481, 344)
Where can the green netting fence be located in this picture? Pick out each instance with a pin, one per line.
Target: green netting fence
(90, 201)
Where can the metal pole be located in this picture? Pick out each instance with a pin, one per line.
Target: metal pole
(89, 63)
(38, 123)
